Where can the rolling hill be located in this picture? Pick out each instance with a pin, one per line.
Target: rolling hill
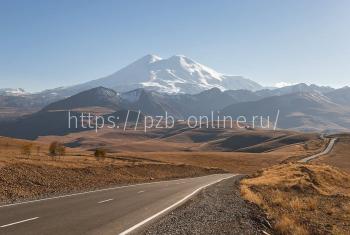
(301, 111)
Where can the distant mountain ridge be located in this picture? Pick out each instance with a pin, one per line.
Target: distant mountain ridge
(306, 110)
(182, 87)
(341, 96)
(96, 97)
(13, 91)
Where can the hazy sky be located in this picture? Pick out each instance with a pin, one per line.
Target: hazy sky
(45, 44)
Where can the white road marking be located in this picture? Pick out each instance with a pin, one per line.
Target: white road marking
(18, 222)
(171, 207)
(141, 192)
(107, 200)
(95, 191)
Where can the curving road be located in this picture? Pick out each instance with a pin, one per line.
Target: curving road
(325, 152)
(118, 210)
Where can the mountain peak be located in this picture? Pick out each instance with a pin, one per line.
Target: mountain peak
(101, 91)
(95, 97)
(151, 58)
(176, 74)
(134, 95)
(13, 91)
(183, 60)
(178, 57)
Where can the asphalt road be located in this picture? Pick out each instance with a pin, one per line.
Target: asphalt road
(325, 152)
(118, 210)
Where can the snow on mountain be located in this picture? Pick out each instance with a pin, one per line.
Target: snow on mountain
(177, 74)
(283, 84)
(13, 91)
(131, 96)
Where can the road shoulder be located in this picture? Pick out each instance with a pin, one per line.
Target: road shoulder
(218, 209)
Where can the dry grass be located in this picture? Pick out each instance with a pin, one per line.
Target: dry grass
(302, 199)
(37, 174)
(198, 147)
(298, 203)
(79, 162)
(19, 170)
(286, 225)
(251, 196)
(182, 138)
(339, 157)
(244, 163)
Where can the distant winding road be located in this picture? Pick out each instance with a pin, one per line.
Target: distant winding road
(118, 210)
(325, 152)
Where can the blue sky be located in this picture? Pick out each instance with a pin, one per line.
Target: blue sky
(46, 44)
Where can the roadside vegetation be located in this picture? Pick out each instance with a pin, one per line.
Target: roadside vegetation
(57, 149)
(99, 154)
(302, 199)
(26, 150)
(30, 170)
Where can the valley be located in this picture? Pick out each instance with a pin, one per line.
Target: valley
(42, 157)
(133, 157)
(174, 117)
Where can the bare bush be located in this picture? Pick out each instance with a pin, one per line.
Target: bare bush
(57, 149)
(26, 150)
(99, 154)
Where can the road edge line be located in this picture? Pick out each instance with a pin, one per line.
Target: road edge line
(18, 222)
(136, 226)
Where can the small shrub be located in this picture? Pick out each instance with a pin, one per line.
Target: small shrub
(52, 148)
(99, 153)
(57, 149)
(26, 150)
(61, 150)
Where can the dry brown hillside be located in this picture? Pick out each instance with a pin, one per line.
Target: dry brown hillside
(33, 173)
(183, 138)
(302, 198)
(37, 174)
(340, 155)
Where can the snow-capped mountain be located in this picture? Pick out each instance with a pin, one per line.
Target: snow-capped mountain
(177, 74)
(13, 91)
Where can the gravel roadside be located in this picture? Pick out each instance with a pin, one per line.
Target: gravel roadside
(218, 209)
